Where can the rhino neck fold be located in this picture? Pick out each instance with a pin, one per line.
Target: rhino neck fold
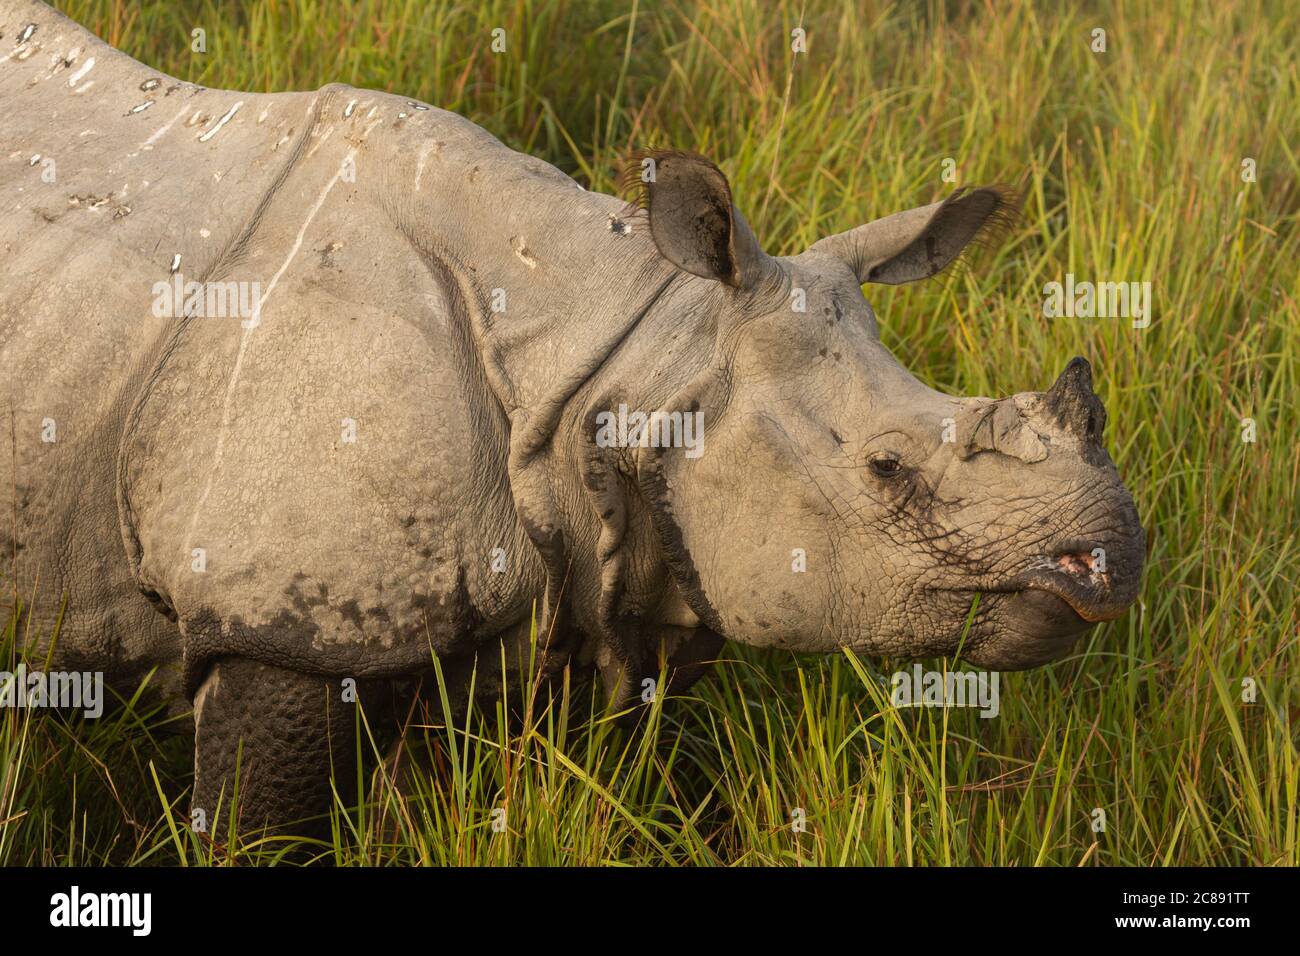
(551, 298)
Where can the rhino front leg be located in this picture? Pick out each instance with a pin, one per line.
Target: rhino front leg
(295, 730)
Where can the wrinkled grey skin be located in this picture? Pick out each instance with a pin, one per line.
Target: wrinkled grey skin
(379, 230)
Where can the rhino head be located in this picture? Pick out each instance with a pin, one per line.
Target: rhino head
(836, 501)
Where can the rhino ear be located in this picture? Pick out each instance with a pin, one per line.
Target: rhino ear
(921, 242)
(692, 219)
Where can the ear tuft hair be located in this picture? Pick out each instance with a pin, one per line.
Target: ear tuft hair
(693, 221)
(636, 190)
(924, 242)
(999, 223)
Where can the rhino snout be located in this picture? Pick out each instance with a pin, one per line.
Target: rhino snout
(1098, 577)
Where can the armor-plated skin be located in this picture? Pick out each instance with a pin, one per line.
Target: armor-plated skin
(394, 454)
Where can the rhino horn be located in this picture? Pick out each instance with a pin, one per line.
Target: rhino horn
(1072, 404)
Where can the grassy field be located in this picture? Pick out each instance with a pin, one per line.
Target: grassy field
(1132, 163)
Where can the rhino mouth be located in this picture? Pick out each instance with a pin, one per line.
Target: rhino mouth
(1075, 575)
(1025, 608)
(1048, 616)
(1066, 592)
(1092, 602)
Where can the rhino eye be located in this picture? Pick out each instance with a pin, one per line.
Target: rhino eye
(885, 467)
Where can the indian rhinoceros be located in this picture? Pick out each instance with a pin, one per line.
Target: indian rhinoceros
(306, 389)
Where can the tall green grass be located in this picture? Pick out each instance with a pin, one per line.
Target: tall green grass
(1131, 160)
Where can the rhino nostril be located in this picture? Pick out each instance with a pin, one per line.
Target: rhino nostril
(1075, 563)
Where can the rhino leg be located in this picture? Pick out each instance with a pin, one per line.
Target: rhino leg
(285, 734)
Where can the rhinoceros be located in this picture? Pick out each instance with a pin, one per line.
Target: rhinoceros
(307, 390)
